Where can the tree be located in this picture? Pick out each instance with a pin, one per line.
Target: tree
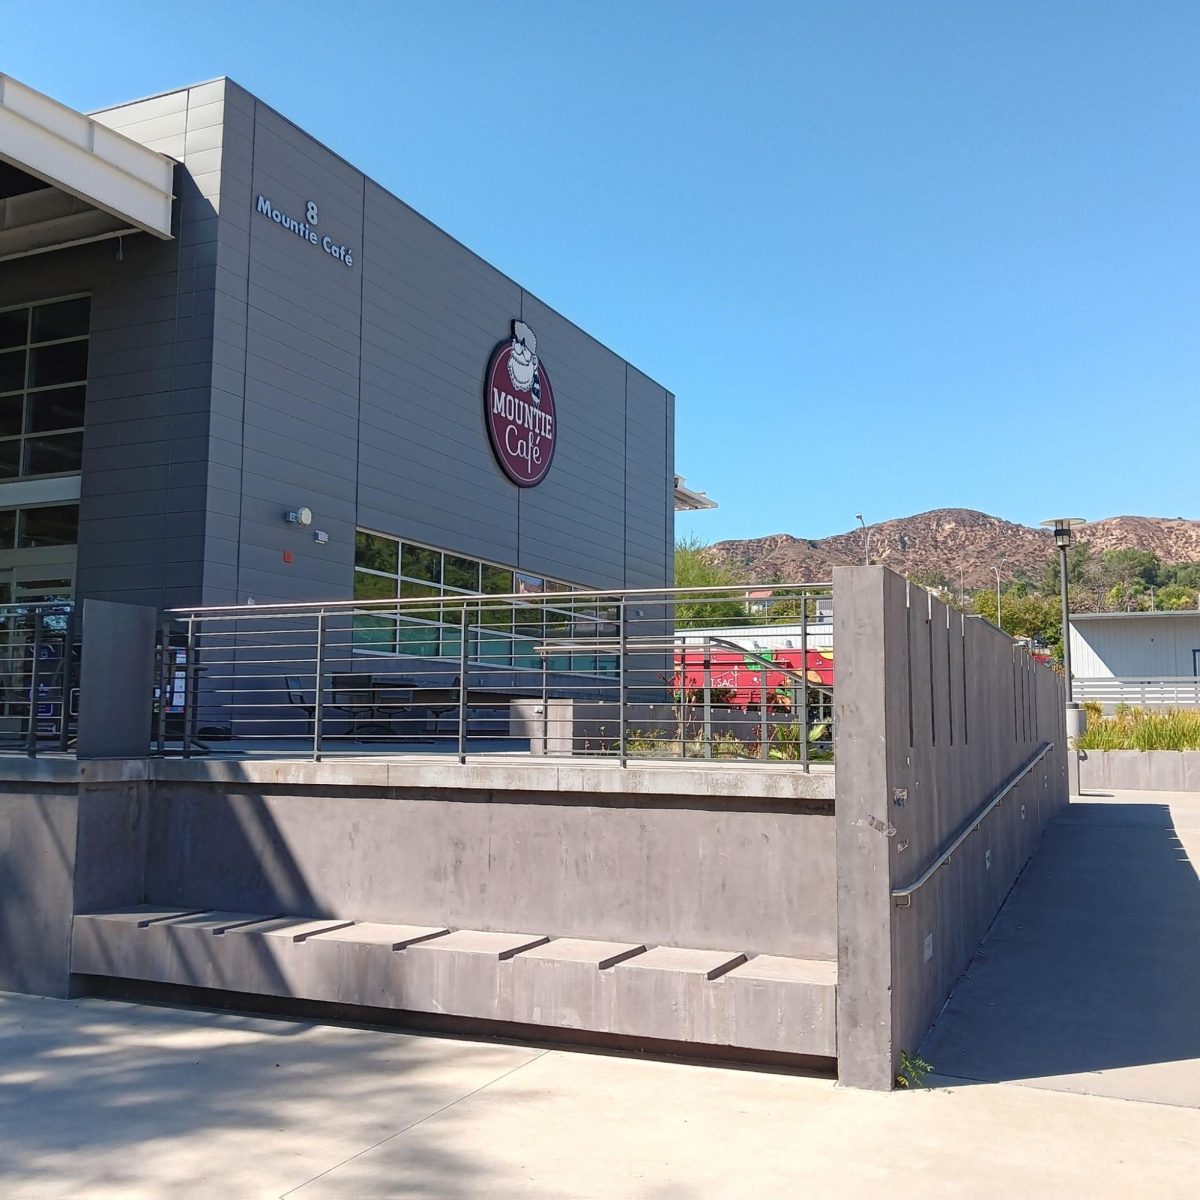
(1035, 617)
(695, 568)
(1175, 596)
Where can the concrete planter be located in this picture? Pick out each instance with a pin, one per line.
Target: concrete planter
(1140, 770)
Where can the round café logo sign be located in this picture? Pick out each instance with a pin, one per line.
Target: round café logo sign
(519, 404)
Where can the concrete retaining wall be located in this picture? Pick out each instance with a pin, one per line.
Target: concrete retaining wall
(664, 902)
(1140, 770)
(681, 870)
(44, 877)
(935, 713)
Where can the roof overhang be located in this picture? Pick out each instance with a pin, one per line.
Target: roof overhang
(67, 179)
(687, 500)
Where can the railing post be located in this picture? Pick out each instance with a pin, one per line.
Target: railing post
(31, 731)
(189, 680)
(462, 687)
(545, 685)
(803, 697)
(708, 750)
(68, 672)
(319, 686)
(165, 679)
(764, 748)
(622, 640)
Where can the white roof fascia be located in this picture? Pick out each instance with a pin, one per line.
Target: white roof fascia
(86, 159)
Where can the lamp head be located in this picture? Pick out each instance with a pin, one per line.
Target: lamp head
(1062, 529)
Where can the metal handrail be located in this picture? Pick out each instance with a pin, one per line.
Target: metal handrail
(905, 894)
(520, 599)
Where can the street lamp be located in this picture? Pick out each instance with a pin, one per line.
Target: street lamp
(1062, 539)
(999, 618)
(867, 551)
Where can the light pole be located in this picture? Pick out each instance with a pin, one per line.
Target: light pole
(867, 550)
(999, 618)
(1062, 539)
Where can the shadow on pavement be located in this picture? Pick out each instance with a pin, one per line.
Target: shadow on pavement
(1092, 968)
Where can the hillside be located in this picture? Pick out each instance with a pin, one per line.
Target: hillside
(946, 540)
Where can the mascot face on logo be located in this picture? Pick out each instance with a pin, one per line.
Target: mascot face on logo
(523, 361)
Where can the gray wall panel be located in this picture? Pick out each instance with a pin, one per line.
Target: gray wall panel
(240, 371)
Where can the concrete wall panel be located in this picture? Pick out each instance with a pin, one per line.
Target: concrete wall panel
(936, 713)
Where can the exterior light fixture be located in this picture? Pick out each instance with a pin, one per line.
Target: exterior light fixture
(867, 549)
(1062, 527)
(299, 516)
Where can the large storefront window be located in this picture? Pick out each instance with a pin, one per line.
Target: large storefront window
(387, 568)
(43, 387)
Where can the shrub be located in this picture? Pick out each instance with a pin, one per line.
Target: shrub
(1143, 729)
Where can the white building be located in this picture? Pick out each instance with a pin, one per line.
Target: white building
(1137, 658)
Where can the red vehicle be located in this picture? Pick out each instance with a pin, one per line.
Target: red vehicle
(739, 676)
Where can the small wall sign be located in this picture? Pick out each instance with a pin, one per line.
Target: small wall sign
(519, 409)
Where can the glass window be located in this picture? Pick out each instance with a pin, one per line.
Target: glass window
(373, 587)
(58, 409)
(376, 552)
(12, 370)
(10, 414)
(64, 319)
(374, 633)
(43, 387)
(497, 581)
(417, 562)
(8, 528)
(10, 459)
(461, 573)
(529, 583)
(14, 327)
(65, 362)
(51, 455)
(54, 526)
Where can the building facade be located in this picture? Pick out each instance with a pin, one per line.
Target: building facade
(295, 387)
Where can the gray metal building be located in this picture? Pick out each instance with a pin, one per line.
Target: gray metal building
(210, 321)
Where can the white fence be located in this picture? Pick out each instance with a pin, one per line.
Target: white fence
(1164, 691)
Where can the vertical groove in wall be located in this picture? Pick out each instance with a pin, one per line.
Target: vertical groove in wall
(174, 409)
(932, 684)
(1016, 736)
(362, 300)
(908, 649)
(625, 481)
(949, 678)
(962, 623)
(239, 598)
(520, 491)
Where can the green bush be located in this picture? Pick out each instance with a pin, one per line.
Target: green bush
(1143, 729)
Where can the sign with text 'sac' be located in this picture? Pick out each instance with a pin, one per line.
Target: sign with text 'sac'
(519, 409)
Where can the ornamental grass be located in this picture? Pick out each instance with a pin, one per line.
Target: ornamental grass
(1143, 729)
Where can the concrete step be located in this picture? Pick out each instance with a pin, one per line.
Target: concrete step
(674, 993)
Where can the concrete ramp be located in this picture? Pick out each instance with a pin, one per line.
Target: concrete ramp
(1089, 980)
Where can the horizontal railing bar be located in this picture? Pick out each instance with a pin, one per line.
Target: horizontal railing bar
(944, 856)
(519, 599)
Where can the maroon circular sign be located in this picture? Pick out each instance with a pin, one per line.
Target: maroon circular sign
(519, 407)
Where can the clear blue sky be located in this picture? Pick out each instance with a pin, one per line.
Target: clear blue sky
(889, 256)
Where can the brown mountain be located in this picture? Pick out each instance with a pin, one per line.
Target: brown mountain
(947, 540)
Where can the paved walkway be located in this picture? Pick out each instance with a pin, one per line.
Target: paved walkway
(1087, 989)
(1089, 981)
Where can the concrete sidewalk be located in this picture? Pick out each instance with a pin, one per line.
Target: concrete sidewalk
(106, 1099)
(1089, 980)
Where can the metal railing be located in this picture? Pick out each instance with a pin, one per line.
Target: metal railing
(39, 694)
(1162, 691)
(903, 896)
(623, 675)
